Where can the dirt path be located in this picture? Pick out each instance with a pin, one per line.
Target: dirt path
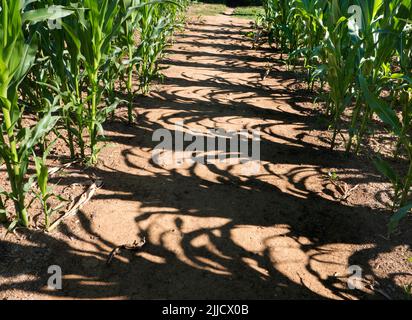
(211, 231)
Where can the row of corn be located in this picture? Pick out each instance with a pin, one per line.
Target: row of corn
(63, 64)
(359, 52)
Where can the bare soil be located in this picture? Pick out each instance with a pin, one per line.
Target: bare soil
(212, 232)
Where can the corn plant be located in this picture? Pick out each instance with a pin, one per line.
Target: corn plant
(276, 18)
(155, 26)
(60, 76)
(92, 38)
(308, 15)
(401, 183)
(341, 55)
(128, 41)
(71, 78)
(379, 36)
(56, 75)
(105, 25)
(45, 193)
(357, 60)
(17, 55)
(113, 71)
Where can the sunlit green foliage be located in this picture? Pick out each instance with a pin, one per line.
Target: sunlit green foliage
(360, 53)
(62, 63)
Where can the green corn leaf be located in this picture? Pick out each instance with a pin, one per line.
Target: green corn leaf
(43, 126)
(49, 13)
(28, 185)
(386, 170)
(42, 174)
(26, 61)
(398, 216)
(12, 225)
(384, 111)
